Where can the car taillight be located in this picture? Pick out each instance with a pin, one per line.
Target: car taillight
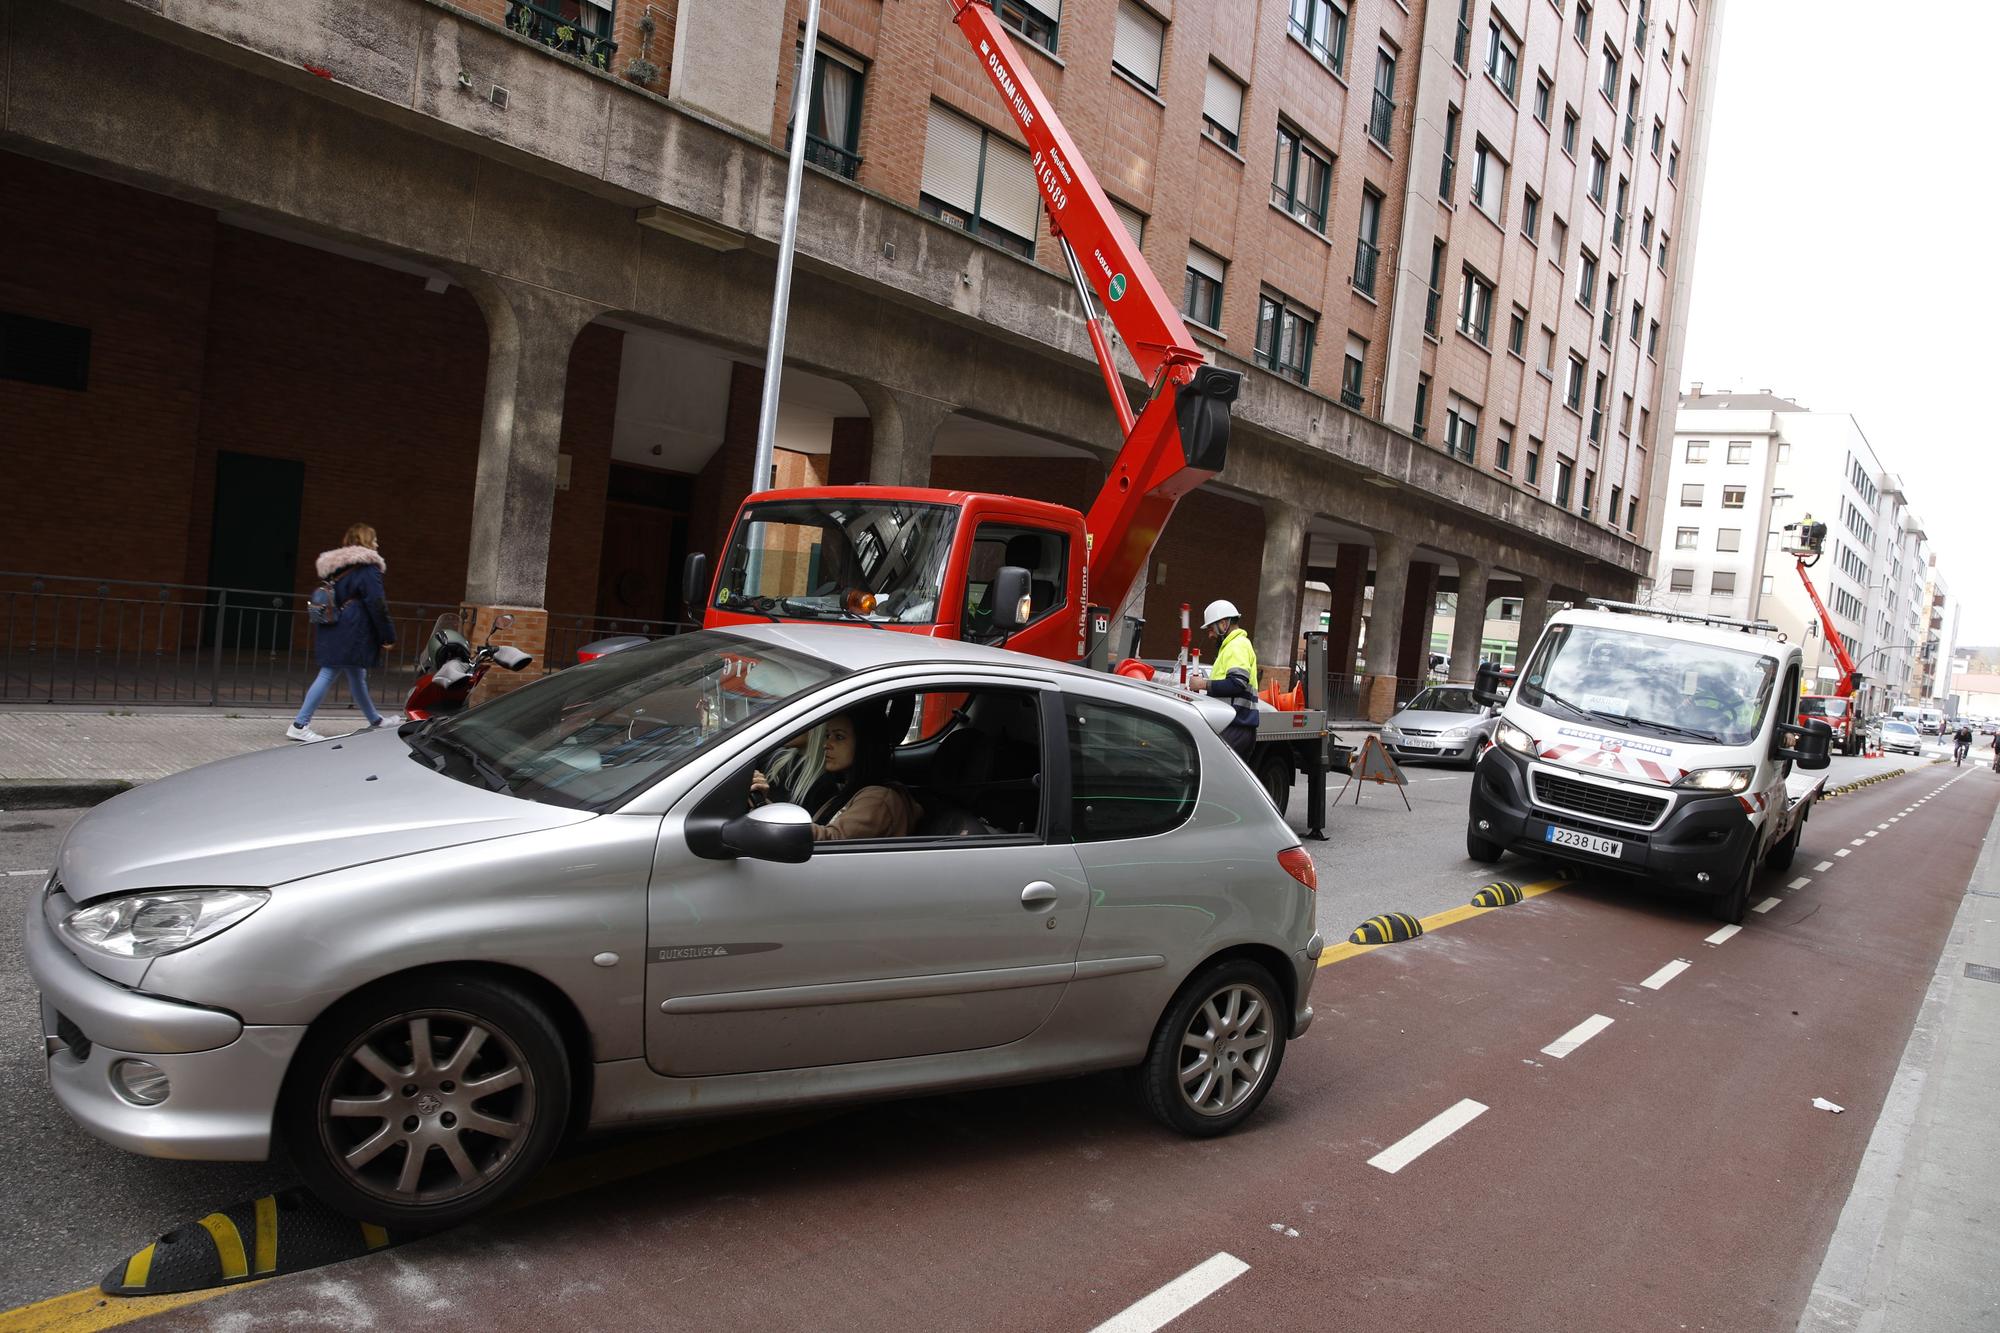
(1300, 867)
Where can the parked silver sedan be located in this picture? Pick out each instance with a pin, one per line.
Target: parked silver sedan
(1441, 722)
(773, 867)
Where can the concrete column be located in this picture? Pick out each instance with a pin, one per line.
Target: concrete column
(1469, 627)
(1343, 622)
(1413, 648)
(902, 427)
(1385, 625)
(1280, 586)
(1534, 615)
(530, 331)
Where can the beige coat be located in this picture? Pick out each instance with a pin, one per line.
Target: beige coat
(875, 812)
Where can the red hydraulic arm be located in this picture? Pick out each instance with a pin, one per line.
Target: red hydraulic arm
(1180, 439)
(1850, 675)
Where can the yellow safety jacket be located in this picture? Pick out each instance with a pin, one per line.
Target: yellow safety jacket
(1235, 650)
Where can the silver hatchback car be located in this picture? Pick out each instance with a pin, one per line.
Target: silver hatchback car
(1441, 722)
(762, 868)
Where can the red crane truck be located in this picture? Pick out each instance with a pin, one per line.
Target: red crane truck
(1839, 710)
(1033, 577)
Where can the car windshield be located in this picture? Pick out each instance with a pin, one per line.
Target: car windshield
(838, 559)
(1671, 686)
(1439, 700)
(1814, 706)
(1899, 727)
(594, 735)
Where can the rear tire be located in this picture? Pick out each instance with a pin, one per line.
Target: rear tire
(1217, 1049)
(1483, 850)
(1733, 903)
(1274, 774)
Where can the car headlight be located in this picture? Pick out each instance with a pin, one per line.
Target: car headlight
(1513, 738)
(146, 925)
(1455, 734)
(1718, 779)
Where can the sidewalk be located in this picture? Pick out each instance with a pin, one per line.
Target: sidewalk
(1914, 1250)
(77, 757)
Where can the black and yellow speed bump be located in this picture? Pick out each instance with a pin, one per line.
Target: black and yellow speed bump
(286, 1232)
(1388, 928)
(1500, 893)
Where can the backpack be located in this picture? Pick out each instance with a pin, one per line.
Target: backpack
(323, 606)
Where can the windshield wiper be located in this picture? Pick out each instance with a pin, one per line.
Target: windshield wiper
(1670, 728)
(432, 744)
(1576, 708)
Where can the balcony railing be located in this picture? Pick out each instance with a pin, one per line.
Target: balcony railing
(832, 157)
(1350, 397)
(551, 29)
(1432, 305)
(1365, 254)
(1380, 117)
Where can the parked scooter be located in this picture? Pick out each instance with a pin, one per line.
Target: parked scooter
(451, 668)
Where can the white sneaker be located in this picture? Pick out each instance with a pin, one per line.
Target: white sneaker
(299, 733)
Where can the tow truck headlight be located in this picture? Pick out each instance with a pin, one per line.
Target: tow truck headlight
(1511, 737)
(146, 925)
(1718, 779)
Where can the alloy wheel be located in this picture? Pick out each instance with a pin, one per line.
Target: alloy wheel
(427, 1107)
(1225, 1050)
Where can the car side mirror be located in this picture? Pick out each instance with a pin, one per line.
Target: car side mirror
(1011, 601)
(1808, 744)
(1486, 684)
(777, 832)
(694, 585)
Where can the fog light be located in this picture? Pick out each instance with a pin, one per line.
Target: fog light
(1701, 877)
(140, 1083)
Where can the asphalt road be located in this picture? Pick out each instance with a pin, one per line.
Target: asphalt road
(1058, 1205)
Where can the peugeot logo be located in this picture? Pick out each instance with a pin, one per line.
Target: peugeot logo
(429, 1105)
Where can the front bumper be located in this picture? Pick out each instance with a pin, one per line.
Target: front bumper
(223, 1077)
(1701, 836)
(1450, 751)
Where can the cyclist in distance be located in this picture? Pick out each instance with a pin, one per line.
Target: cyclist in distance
(1963, 740)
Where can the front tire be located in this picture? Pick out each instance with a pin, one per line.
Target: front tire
(1483, 850)
(1217, 1050)
(416, 1106)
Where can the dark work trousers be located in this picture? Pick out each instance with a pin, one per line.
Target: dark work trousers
(1240, 737)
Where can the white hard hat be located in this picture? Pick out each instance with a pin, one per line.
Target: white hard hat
(1219, 610)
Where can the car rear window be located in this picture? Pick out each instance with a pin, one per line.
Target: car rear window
(1132, 774)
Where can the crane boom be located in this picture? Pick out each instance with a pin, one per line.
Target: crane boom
(1180, 439)
(1850, 674)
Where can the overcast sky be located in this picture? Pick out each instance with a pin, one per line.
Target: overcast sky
(1844, 256)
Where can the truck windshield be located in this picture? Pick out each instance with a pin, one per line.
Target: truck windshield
(1813, 705)
(1670, 686)
(838, 559)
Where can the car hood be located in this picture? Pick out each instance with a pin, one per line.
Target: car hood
(278, 815)
(1430, 721)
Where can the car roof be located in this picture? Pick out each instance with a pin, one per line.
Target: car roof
(856, 648)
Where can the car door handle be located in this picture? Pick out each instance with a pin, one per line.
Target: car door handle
(1039, 894)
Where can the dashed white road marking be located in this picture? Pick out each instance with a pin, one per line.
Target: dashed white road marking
(1427, 1136)
(1800, 882)
(1666, 974)
(1766, 905)
(1568, 1042)
(1860, 842)
(1871, 833)
(1721, 935)
(1823, 867)
(1177, 1297)
(1843, 852)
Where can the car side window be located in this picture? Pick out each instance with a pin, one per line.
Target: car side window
(1132, 774)
(1044, 554)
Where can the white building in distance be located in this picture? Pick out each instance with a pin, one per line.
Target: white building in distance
(1743, 467)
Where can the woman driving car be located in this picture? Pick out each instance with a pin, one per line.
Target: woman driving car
(864, 802)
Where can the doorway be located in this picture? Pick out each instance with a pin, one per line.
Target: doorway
(645, 541)
(253, 544)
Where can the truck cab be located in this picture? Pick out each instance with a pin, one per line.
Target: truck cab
(1651, 745)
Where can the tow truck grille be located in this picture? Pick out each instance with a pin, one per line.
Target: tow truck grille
(1587, 798)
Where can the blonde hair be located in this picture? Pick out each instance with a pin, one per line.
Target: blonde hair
(360, 534)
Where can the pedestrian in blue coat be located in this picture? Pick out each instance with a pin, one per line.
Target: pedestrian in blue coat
(362, 629)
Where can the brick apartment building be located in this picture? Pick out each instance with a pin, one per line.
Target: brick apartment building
(493, 276)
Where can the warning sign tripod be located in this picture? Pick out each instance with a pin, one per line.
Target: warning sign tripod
(1374, 765)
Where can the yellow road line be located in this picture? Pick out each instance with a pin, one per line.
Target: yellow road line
(1436, 921)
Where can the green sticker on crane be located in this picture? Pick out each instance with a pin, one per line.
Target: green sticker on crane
(1117, 285)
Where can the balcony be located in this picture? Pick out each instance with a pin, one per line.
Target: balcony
(831, 157)
(548, 26)
(1380, 117)
(1366, 252)
(1350, 397)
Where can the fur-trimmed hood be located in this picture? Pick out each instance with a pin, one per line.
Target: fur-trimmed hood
(340, 557)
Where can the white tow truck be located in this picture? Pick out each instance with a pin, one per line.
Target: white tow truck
(1653, 744)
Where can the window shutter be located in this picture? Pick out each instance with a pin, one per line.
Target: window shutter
(951, 159)
(1223, 102)
(1048, 9)
(1204, 263)
(1010, 198)
(1135, 224)
(1136, 47)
